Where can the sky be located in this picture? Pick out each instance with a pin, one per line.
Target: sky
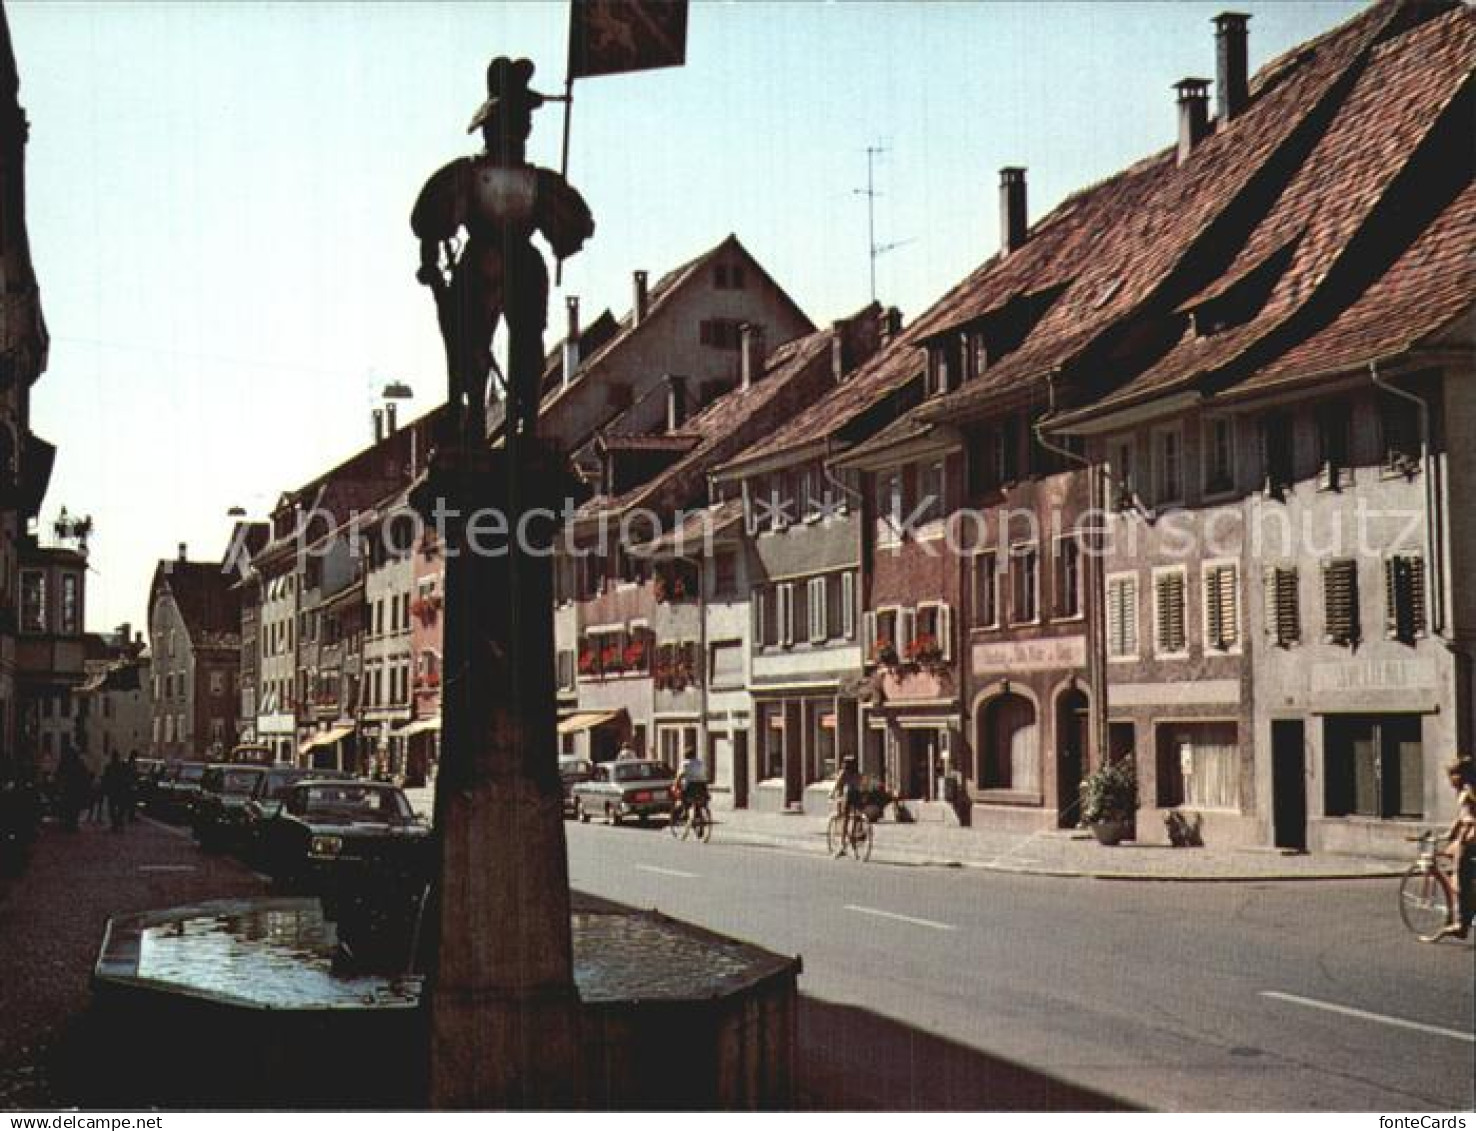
(219, 198)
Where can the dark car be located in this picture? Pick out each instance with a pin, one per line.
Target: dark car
(179, 789)
(147, 773)
(635, 788)
(219, 815)
(332, 834)
(270, 791)
(572, 771)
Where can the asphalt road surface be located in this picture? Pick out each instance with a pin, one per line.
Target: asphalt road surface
(946, 989)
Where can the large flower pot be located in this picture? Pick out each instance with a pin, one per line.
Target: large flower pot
(1109, 832)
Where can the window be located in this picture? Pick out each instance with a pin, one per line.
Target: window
(765, 604)
(986, 590)
(1404, 597)
(728, 277)
(725, 664)
(1066, 576)
(931, 488)
(1219, 455)
(786, 615)
(719, 333)
(1169, 632)
(1168, 466)
(1333, 472)
(943, 367)
(724, 573)
(889, 506)
(1199, 766)
(933, 633)
(1007, 451)
(1375, 766)
(1340, 601)
(1121, 472)
(976, 349)
(1024, 582)
(1277, 453)
(71, 604)
(217, 683)
(885, 636)
(1283, 611)
(33, 600)
(848, 605)
(1399, 431)
(815, 606)
(1221, 607)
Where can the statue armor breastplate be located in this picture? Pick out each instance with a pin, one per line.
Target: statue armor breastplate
(501, 198)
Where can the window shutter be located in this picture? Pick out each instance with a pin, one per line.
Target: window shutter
(1283, 612)
(945, 632)
(868, 634)
(1170, 612)
(817, 625)
(786, 615)
(1221, 612)
(1404, 597)
(906, 630)
(1116, 593)
(1340, 600)
(848, 605)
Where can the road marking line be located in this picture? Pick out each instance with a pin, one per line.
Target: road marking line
(902, 918)
(667, 872)
(167, 868)
(1349, 1011)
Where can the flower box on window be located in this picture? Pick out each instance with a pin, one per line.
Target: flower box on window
(884, 652)
(924, 649)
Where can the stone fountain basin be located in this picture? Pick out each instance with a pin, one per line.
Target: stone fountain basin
(237, 1003)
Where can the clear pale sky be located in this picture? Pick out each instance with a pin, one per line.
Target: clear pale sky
(219, 198)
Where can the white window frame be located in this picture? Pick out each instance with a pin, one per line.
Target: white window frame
(1018, 550)
(1122, 471)
(1161, 496)
(785, 613)
(1207, 452)
(1207, 571)
(815, 610)
(1130, 579)
(890, 514)
(994, 622)
(1057, 573)
(944, 622)
(848, 605)
(1182, 572)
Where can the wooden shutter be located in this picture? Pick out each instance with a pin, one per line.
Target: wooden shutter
(868, 635)
(906, 630)
(1115, 594)
(1170, 612)
(1283, 605)
(1221, 607)
(817, 618)
(848, 605)
(945, 632)
(1340, 600)
(1404, 597)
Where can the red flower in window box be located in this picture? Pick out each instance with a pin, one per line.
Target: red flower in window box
(883, 651)
(611, 659)
(587, 662)
(924, 649)
(635, 655)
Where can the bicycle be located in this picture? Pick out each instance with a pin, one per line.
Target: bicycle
(691, 820)
(1427, 893)
(857, 837)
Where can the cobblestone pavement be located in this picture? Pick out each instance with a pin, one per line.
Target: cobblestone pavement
(51, 926)
(1053, 853)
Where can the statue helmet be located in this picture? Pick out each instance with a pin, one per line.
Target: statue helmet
(507, 82)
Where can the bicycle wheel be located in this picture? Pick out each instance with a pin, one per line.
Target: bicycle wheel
(676, 824)
(1424, 902)
(833, 834)
(861, 838)
(702, 824)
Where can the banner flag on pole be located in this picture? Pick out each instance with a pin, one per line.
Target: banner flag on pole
(612, 37)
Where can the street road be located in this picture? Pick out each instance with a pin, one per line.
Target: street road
(931, 988)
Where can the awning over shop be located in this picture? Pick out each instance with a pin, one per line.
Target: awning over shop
(326, 738)
(587, 720)
(419, 726)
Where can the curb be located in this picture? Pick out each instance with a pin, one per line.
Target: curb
(759, 840)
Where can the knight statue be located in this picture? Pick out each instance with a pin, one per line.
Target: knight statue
(500, 200)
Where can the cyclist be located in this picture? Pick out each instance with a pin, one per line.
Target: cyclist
(1461, 845)
(847, 795)
(691, 783)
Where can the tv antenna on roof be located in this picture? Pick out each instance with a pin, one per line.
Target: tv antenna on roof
(875, 250)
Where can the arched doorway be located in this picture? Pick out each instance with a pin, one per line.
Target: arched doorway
(1071, 746)
(1009, 744)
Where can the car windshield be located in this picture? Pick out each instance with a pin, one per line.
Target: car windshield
(237, 781)
(279, 782)
(641, 771)
(191, 771)
(349, 800)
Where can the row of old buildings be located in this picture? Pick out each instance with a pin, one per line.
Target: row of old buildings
(1172, 475)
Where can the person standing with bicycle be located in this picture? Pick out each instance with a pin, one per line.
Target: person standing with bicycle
(1461, 847)
(847, 795)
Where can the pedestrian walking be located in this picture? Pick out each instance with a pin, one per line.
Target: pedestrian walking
(116, 788)
(96, 801)
(73, 788)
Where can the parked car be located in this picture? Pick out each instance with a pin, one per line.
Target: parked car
(179, 789)
(638, 788)
(219, 814)
(329, 835)
(572, 771)
(267, 795)
(147, 774)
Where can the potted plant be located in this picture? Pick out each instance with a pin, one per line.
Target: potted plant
(1109, 799)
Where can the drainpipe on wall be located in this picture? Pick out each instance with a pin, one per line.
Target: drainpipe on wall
(1097, 479)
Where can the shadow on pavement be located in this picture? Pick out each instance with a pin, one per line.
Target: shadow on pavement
(852, 1059)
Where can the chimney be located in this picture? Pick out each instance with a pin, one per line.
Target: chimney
(638, 310)
(1232, 86)
(891, 324)
(124, 633)
(571, 339)
(676, 402)
(753, 354)
(378, 425)
(1193, 114)
(390, 412)
(838, 366)
(182, 556)
(1012, 216)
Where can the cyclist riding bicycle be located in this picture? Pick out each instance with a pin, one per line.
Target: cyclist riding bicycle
(1461, 847)
(847, 794)
(691, 783)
